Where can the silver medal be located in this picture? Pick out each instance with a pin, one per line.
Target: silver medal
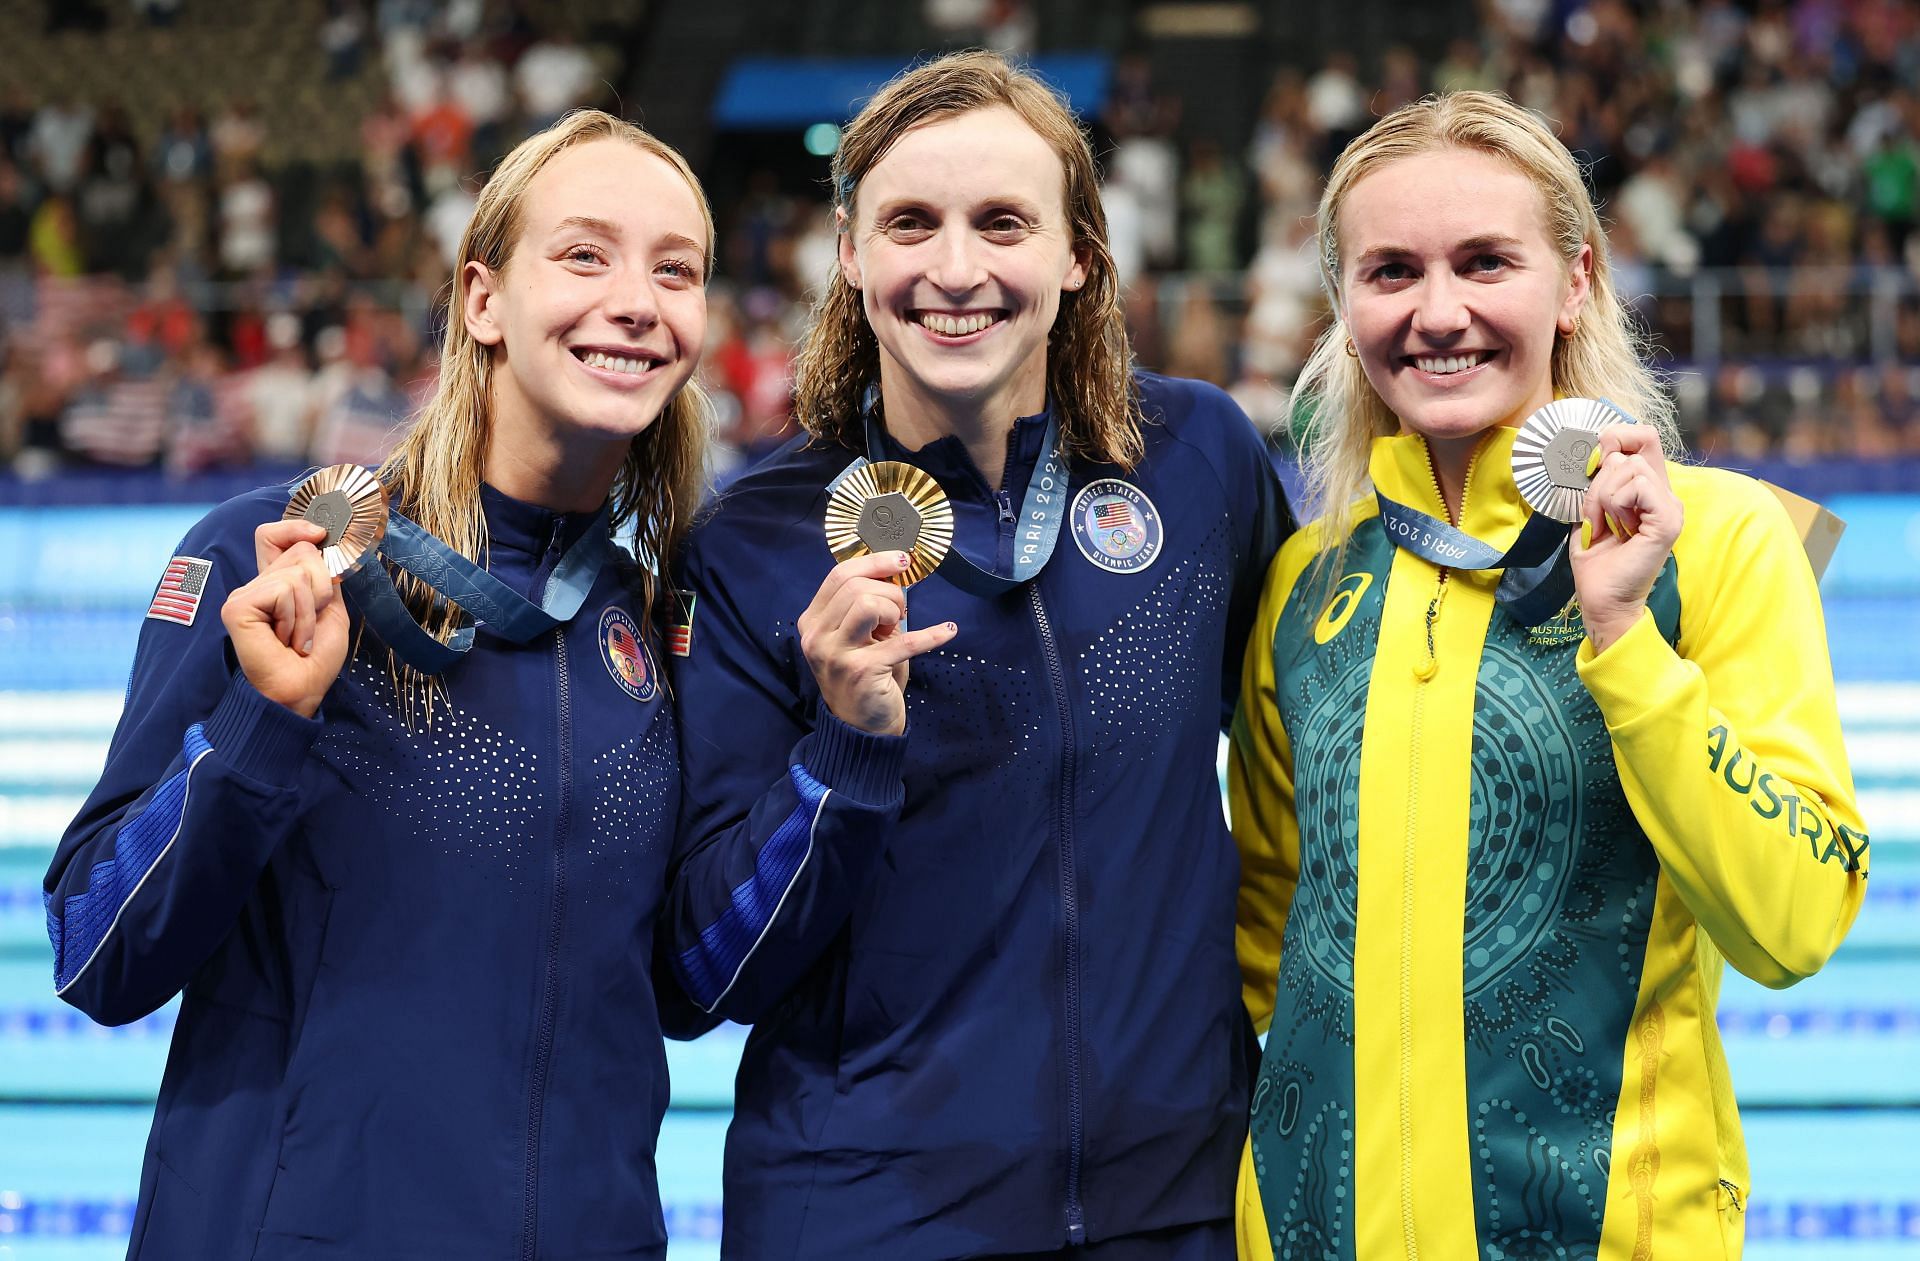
(1551, 451)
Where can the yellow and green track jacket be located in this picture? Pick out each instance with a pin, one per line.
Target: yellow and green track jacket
(1488, 880)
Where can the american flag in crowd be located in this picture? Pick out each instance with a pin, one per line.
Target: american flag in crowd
(1113, 515)
(181, 587)
(124, 423)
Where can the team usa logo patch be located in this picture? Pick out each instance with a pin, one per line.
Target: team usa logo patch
(178, 597)
(1116, 526)
(625, 655)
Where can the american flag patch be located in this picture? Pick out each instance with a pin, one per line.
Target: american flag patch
(178, 598)
(1114, 514)
(680, 632)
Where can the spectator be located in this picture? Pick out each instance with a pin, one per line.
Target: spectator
(478, 83)
(247, 222)
(58, 142)
(553, 77)
(1211, 197)
(16, 217)
(53, 238)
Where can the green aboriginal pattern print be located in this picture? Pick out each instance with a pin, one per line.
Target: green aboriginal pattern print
(1560, 889)
(1302, 1116)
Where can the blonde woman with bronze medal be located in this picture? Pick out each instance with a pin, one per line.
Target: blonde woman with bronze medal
(392, 796)
(952, 837)
(1537, 733)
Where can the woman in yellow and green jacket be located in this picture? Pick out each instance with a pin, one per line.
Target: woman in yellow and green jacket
(1494, 856)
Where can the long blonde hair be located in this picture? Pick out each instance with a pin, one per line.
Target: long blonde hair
(435, 472)
(1089, 377)
(1602, 358)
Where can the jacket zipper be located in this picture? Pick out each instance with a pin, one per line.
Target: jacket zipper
(550, 987)
(1070, 917)
(1423, 674)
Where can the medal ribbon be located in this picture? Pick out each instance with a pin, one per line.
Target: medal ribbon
(1538, 580)
(481, 597)
(1042, 510)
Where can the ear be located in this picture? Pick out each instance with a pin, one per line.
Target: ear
(1077, 274)
(477, 308)
(849, 260)
(1579, 289)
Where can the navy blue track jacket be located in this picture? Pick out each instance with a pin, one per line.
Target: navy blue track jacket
(418, 1017)
(990, 963)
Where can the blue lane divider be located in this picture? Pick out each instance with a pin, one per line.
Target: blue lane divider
(1827, 1219)
(55, 1021)
(700, 1219)
(1884, 1022)
(1896, 1022)
(66, 1218)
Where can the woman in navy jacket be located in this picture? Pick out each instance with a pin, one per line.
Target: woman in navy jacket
(412, 914)
(980, 916)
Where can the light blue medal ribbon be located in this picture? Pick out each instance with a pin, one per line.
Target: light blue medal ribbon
(1042, 510)
(1538, 580)
(481, 597)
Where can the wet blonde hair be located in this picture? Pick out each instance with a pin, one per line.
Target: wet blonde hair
(1603, 358)
(1089, 377)
(434, 474)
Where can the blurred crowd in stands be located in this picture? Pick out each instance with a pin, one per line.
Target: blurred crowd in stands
(179, 299)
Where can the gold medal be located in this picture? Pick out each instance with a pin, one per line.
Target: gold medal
(890, 506)
(351, 504)
(1551, 451)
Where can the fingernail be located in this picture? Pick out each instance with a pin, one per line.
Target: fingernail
(307, 648)
(1586, 535)
(902, 559)
(952, 627)
(1593, 461)
(1619, 531)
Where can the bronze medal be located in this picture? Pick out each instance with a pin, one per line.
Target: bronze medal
(890, 506)
(351, 504)
(1551, 451)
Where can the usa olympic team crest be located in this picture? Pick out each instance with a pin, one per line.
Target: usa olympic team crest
(625, 655)
(1116, 526)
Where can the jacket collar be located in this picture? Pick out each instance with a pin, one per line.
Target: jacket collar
(1491, 510)
(519, 526)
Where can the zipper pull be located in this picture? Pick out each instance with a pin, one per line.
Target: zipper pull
(1425, 671)
(1733, 1194)
(1005, 500)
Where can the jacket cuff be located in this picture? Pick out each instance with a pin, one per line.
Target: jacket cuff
(852, 762)
(1636, 675)
(260, 739)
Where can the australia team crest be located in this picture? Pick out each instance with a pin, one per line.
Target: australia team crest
(1116, 526)
(625, 655)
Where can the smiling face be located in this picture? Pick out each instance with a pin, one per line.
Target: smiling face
(598, 317)
(1453, 292)
(960, 244)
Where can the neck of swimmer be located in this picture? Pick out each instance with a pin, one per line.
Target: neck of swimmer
(550, 471)
(983, 425)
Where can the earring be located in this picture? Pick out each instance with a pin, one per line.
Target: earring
(1573, 332)
(1351, 352)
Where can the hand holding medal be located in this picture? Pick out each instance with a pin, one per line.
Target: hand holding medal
(1583, 460)
(289, 626)
(889, 526)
